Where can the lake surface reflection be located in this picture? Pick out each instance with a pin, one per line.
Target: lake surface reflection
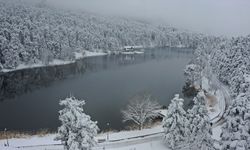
(29, 98)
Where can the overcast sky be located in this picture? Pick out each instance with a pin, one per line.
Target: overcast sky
(217, 17)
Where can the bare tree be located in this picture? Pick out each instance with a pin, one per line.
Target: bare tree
(141, 109)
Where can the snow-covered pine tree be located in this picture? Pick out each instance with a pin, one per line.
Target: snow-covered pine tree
(11, 54)
(236, 131)
(198, 127)
(191, 73)
(174, 123)
(77, 131)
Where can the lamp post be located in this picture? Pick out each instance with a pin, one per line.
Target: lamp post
(108, 132)
(7, 144)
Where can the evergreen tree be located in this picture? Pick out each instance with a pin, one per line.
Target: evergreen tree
(198, 127)
(174, 123)
(11, 54)
(236, 131)
(192, 73)
(77, 130)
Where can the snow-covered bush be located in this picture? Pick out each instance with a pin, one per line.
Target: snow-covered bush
(77, 131)
(141, 108)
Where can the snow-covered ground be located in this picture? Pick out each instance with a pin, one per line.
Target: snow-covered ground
(56, 62)
(116, 139)
(31, 141)
(130, 134)
(151, 142)
(152, 145)
(132, 52)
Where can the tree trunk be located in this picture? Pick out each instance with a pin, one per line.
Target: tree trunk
(141, 126)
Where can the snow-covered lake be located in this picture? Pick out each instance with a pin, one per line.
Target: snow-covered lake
(29, 98)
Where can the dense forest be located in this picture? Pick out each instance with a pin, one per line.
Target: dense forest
(228, 61)
(231, 64)
(35, 32)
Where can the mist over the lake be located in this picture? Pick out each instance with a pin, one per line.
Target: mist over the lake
(215, 17)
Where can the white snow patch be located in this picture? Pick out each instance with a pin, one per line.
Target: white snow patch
(247, 78)
(153, 145)
(130, 134)
(216, 132)
(31, 141)
(132, 53)
(91, 54)
(180, 46)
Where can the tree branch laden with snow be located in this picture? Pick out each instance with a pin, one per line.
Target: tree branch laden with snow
(77, 131)
(140, 110)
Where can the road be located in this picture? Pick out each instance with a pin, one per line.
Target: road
(105, 145)
(223, 103)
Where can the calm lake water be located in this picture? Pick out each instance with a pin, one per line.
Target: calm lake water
(29, 98)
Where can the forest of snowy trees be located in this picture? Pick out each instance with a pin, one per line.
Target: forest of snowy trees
(38, 33)
(229, 60)
(231, 64)
(189, 129)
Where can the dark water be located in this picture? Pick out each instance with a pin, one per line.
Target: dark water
(29, 98)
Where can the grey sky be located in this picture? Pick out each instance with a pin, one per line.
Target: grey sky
(217, 17)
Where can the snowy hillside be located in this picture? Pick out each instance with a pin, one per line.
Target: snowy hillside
(38, 33)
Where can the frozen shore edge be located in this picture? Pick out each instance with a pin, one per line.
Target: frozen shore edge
(56, 62)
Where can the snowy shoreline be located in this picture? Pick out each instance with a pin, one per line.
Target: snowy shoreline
(56, 62)
(117, 140)
(78, 56)
(48, 139)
